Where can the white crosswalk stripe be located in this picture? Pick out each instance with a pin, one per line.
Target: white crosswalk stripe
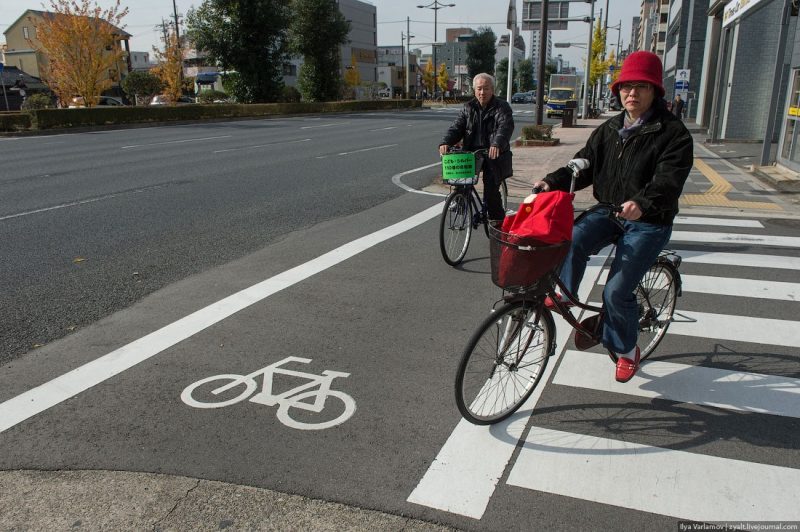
(650, 478)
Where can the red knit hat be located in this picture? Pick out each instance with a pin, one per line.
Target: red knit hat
(641, 66)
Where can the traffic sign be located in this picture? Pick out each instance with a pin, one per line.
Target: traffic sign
(682, 75)
(681, 85)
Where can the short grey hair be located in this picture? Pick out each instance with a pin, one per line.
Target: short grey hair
(483, 75)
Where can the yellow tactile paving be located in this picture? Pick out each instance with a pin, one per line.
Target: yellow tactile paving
(716, 195)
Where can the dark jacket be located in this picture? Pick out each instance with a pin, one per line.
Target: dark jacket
(483, 128)
(649, 168)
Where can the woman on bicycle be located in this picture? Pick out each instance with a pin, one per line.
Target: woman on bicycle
(485, 122)
(640, 160)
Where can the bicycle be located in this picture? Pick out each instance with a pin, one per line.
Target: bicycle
(464, 209)
(505, 358)
(292, 398)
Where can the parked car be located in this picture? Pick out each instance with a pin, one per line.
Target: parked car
(519, 97)
(161, 99)
(109, 101)
(530, 97)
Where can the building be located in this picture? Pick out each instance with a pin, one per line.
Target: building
(739, 94)
(140, 62)
(636, 23)
(502, 49)
(454, 56)
(684, 51)
(392, 69)
(24, 50)
(536, 45)
(454, 34)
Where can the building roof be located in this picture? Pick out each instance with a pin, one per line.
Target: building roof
(118, 31)
(11, 74)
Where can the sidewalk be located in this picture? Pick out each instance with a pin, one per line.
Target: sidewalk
(722, 181)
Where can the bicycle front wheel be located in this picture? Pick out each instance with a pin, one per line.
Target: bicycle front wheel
(656, 295)
(455, 227)
(503, 362)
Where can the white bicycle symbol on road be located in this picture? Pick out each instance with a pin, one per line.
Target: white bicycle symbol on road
(286, 401)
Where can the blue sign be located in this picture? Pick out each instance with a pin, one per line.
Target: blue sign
(681, 85)
(1, 67)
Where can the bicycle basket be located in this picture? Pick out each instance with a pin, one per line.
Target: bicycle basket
(459, 168)
(520, 263)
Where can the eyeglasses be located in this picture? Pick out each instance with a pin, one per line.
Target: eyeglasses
(628, 87)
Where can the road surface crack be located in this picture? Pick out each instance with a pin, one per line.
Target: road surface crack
(156, 527)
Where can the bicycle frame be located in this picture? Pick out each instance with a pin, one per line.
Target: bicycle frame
(478, 205)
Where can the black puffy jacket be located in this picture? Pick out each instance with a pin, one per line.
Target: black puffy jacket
(483, 128)
(650, 167)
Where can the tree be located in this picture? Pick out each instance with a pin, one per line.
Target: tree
(428, 77)
(599, 66)
(170, 66)
(525, 75)
(501, 78)
(317, 30)
(142, 85)
(352, 77)
(443, 78)
(248, 36)
(480, 52)
(81, 43)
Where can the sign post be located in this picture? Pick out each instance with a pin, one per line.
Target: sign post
(682, 83)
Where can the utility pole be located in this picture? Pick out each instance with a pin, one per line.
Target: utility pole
(175, 14)
(403, 61)
(542, 65)
(408, 56)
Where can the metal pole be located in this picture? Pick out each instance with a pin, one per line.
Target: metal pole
(403, 59)
(435, 38)
(777, 84)
(542, 65)
(510, 64)
(408, 56)
(588, 65)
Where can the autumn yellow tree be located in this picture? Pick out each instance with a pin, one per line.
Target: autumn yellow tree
(81, 45)
(443, 79)
(352, 76)
(170, 66)
(428, 77)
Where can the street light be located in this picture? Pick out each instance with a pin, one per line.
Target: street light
(435, 6)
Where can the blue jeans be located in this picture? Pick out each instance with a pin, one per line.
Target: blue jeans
(637, 248)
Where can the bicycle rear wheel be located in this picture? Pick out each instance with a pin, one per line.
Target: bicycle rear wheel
(656, 295)
(503, 362)
(455, 227)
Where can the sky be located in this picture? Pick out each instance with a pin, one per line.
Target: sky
(145, 15)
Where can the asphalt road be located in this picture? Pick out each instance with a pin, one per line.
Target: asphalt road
(92, 222)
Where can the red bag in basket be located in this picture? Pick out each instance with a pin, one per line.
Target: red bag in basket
(548, 219)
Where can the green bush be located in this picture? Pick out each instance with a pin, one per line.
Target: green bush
(38, 100)
(98, 116)
(539, 132)
(14, 121)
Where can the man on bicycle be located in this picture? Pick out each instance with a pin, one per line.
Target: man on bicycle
(485, 122)
(640, 160)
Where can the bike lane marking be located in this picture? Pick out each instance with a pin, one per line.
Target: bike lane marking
(463, 476)
(51, 393)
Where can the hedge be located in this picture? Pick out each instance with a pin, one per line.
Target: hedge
(98, 116)
(15, 121)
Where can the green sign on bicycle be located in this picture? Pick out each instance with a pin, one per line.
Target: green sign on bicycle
(458, 166)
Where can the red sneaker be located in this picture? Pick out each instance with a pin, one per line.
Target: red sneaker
(626, 368)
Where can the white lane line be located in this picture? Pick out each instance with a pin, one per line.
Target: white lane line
(731, 390)
(729, 286)
(396, 179)
(656, 480)
(734, 238)
(465, 472)
(740, 259)
(263, 145)
(36, 400)
(323, 125)
(175, 142)
(81, 202)
(736, 328)
(368, 149)
(724, 222)
(383, 128)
